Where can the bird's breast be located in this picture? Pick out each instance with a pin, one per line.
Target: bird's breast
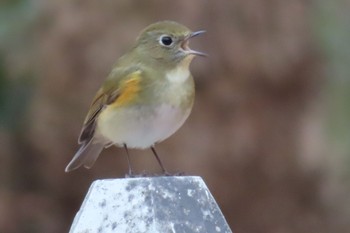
(140, 126)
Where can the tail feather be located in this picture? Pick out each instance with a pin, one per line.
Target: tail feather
(85, 156)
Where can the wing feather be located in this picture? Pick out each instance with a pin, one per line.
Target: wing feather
(115, 90)
(119, 88)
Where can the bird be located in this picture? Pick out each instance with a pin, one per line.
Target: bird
(146, 97)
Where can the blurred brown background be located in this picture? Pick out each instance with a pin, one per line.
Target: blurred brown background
(269, 132)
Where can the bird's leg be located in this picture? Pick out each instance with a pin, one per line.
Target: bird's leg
(165, 172)
(131, 173)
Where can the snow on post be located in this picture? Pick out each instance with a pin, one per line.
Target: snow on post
(174, 204)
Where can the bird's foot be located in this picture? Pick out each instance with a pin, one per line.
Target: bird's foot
(147, 174)
(166, 173)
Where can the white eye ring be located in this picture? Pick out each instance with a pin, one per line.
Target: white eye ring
(166, 40)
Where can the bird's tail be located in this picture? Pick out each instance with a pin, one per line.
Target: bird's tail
(86, 155)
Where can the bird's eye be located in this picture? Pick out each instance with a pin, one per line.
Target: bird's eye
(166, 40)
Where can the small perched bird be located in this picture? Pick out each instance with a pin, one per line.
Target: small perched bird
(145, 99)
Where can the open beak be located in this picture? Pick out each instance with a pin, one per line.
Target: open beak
(185, 44)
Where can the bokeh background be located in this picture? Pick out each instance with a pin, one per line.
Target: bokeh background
(269, 132)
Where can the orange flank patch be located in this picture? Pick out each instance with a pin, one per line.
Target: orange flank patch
(128, 90)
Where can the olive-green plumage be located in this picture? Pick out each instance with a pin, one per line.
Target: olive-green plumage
(147, 96)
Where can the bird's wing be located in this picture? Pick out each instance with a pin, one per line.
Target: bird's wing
(119, 88)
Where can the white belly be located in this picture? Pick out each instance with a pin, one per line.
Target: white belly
(140, 127)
